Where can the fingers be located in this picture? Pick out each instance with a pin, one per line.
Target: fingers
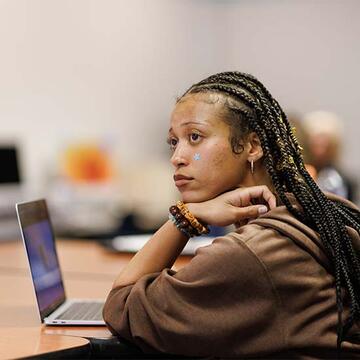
(262, 191)
(249, 212)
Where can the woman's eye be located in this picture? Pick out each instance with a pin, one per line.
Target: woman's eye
(195, 137)
(172, 142)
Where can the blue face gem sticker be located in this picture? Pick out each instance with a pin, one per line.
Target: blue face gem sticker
(197, 156)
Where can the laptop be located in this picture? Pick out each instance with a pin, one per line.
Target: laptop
(39, 241)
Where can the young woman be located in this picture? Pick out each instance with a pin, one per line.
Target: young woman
(285, 284)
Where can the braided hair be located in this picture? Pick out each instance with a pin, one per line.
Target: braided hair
(252, 108)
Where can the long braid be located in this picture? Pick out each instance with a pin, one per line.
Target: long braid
(284, 163)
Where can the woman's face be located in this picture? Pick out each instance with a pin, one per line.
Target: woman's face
(205, 165)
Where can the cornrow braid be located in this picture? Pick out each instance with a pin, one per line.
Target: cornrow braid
(283, 160)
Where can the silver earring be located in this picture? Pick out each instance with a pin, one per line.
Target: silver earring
(252, 166)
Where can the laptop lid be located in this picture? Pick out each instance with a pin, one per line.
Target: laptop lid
(39, 242)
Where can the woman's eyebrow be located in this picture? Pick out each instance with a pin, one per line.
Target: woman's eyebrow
(189, 123)
(193, 122)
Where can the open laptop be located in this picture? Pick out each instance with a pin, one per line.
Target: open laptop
(39, 241)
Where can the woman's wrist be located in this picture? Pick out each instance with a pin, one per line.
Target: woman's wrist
(197, 209)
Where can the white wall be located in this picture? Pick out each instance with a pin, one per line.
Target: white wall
(307, 53)
(98, 68)
(90, 68)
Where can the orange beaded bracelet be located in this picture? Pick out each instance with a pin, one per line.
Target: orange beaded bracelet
(181, 222)
(200, 228)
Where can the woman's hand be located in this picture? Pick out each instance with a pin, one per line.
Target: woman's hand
(234, 206)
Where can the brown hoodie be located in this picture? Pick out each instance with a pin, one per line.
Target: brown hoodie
(266, 290)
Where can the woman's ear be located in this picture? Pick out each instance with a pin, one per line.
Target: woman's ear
(254, 149)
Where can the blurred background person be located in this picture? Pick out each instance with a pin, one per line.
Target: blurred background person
(324, 135)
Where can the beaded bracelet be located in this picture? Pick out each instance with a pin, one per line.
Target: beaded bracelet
(186, 231)
(187, 227)
(200, 228)
(181, 223)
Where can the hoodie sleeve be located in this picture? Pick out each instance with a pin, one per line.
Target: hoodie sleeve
(221, 304)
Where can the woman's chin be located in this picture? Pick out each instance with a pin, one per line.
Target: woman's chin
(194, 197)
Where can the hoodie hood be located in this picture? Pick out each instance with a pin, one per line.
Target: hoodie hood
(281, 220)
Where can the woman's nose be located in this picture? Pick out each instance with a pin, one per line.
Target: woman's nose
(179, 157)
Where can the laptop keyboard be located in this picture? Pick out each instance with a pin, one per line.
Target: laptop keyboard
(83, 311)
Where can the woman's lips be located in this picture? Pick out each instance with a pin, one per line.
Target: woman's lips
(181, 180)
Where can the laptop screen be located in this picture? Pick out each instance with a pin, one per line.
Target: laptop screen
(39, 242)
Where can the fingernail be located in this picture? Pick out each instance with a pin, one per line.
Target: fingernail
(262, 209)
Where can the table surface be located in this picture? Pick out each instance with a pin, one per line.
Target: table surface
(88, 271)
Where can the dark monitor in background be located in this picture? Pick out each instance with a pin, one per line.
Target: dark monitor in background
(11, 190)
(10, 172)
